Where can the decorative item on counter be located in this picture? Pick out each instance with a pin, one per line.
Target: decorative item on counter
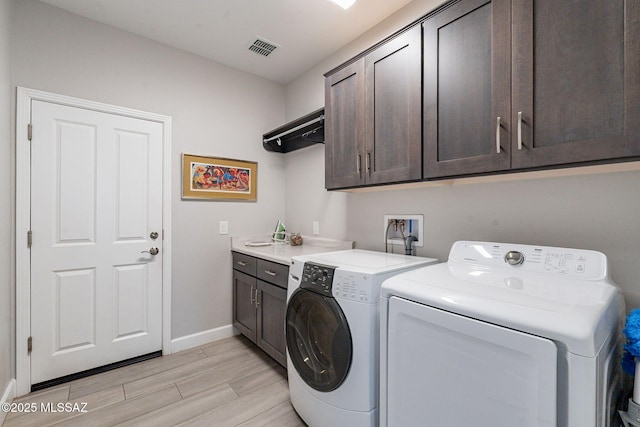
(295, 239)
(279, 234)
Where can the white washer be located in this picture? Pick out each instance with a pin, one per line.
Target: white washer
(332, 333)
(501, 335)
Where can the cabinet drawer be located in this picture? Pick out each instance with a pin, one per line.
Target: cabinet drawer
(273, 272)
(244, 263)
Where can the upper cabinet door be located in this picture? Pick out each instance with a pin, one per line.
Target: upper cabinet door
(576, 81)
(394, 110)
(467, 89)
(344, 127)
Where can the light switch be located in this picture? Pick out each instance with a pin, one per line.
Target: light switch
(223, 227)
(316, 227)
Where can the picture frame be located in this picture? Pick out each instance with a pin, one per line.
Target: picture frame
(219, 178)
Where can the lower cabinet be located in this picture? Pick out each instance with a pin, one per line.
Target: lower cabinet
(245, 313)
(259, 303)
(272, 305)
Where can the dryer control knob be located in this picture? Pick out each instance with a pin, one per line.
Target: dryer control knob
(514, 258)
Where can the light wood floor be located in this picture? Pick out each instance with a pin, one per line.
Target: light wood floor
(226, 383)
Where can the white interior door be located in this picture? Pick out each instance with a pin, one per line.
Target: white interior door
(96, 202)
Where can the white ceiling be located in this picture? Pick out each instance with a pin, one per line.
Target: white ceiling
(306, 31)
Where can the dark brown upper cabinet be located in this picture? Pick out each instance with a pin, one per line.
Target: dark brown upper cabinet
(344, 126)
(467, 105)
(506, 85)
(530, 84)
(373, 116)
(575, 81)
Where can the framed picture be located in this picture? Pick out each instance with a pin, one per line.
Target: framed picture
(218, 178)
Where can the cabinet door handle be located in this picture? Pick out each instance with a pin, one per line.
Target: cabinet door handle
(258, 297)
(519, 130)
(368, 161)
(253, 300)
(241, 263)
(358, 163)
(271, 273)
(498, 135)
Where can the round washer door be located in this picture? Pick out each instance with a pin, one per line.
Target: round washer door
(318, 340)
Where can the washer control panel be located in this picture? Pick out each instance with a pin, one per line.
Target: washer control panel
(317, 278)
(578, 263)
(355, 287)
(335, 282)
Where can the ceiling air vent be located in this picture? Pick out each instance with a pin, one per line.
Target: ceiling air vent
(262, 47)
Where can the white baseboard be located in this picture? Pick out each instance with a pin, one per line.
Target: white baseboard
(7, 397)
(201, 338)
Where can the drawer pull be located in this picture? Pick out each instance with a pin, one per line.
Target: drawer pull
(241, 263)
(271, 273)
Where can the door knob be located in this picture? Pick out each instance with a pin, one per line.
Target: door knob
(152, 251)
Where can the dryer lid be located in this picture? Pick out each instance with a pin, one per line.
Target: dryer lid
(561, 294)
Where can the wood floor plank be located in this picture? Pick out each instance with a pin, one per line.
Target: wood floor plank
(282, 415)
(95, 383)
(250, 381)
(56, 394)
(124, 411)
(242, 409)
(104, 397)
(226, 344)
(185, 409)
(46, 395)
(51, 413)
(223, 374)
(180, 373)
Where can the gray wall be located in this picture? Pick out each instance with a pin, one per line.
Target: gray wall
(597, 211)
(216, 111)
(6, 178)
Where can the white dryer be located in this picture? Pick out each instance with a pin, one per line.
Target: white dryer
(332, 334)
(501, 335)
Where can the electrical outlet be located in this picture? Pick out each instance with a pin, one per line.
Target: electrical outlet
(316, 227)
(223, 227)
(398, 227)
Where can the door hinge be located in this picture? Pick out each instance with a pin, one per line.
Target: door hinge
(29, 131)
(29, 344)
(29, 238)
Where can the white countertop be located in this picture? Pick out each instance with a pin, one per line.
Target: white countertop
(282, 253)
